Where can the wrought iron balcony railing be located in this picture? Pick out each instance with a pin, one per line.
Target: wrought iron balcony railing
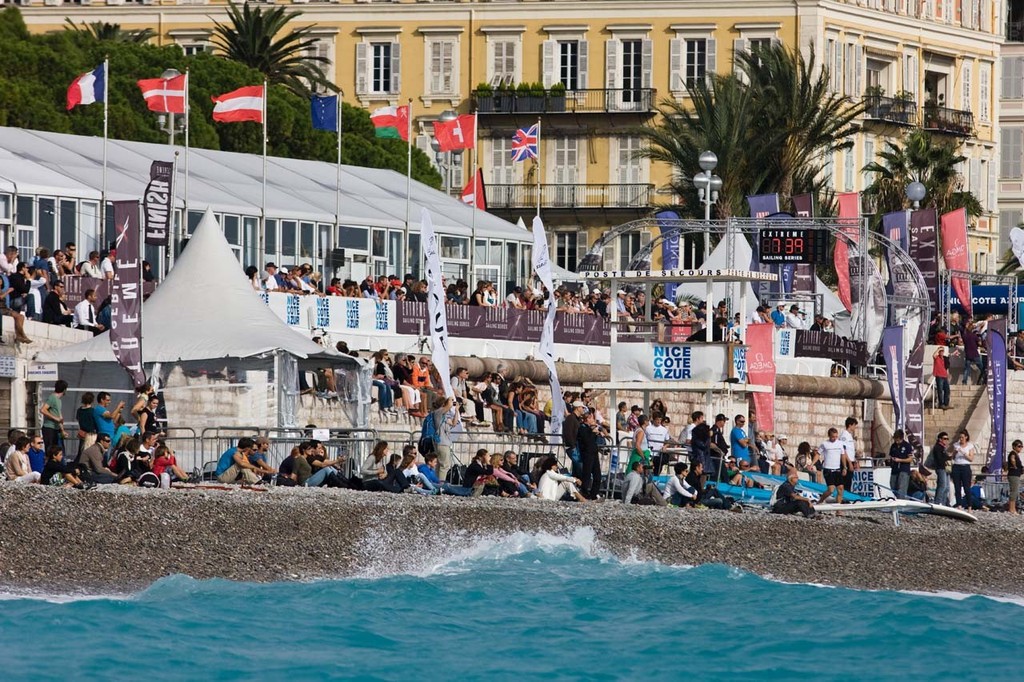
(600, 101)
(633, 195)
(945, 120)
(890, 109)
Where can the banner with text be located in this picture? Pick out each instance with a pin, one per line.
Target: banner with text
(849, 215)
(808, 344)
(892, 351)
(762, 206)
(673, 362)
(542, 266)
(924, 250)
(126, 293)
(156, 203)
(761, 371)
(996, 341)
(435, 304)
(955, 253)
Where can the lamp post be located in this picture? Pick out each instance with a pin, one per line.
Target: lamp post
(172, 124)
(915, 193)
(448, 162)
(708, 186)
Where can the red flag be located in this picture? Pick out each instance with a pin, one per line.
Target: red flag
(243, 104)
(761, 371)
(459, 133)
(165, 95)
(849, 214)
(955, 253)
(473, 193)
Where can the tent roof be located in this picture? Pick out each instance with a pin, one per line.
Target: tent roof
(58, 164)
(205, 309)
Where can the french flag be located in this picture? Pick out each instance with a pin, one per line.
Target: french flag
(88, 88)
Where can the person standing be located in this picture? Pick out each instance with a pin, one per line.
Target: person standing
(586, 441)
(739, 443)
(940, 371)
(963, 455)
(85, 314)
(972, 354)
(901, 456)
(849, 440)
(941, 461)
(1014, 469)
(445, 417)
(835, 465)
(53, 420)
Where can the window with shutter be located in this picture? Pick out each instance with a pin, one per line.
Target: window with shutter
(677, 65)
(984, 74)
(1011, 81)
(868, 177)
(711, 59)
(613, 49)
(828, 170)
(503, 61)
(830, 61)
(629, 169)
(396, 68)
(584, 53)
(547, 63)
(975, 179)
(1011, 153)
(910, 74)
(565, 173)
(739, 46)
(965, 77)
(442, 67)
(569, 64)
(631, 73)
(646, 64)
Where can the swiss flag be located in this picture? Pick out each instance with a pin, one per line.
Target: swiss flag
(459, 133)
(473, 193)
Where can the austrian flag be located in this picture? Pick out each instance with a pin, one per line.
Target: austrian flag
(165, 95)
(88, 88)
(243, 104)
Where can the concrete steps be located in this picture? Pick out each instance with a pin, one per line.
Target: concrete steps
(962, 402)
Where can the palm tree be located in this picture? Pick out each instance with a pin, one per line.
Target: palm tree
(798, 120)
(102, 31)
(720, 120)
(251, 37)
(919, 156)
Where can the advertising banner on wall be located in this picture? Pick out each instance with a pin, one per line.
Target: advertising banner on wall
(761, 371)
(126, 293)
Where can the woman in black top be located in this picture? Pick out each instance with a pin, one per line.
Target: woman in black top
(147, 417)
(17, 301)
(1014, 469)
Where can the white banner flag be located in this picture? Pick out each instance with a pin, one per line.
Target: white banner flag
(542, 266)
(435, 304)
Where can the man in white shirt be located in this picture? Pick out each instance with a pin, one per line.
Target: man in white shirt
(794, 319)
(514, 299)
(657, 437)
(849, 440)
(107, 265)
(9, 260)
(463, 396)
(85, 313)
(835, 464)
(91, 267)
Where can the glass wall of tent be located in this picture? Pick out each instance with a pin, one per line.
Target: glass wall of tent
(31, 221)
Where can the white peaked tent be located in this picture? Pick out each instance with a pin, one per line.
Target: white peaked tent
(741, 259)
(204, 313)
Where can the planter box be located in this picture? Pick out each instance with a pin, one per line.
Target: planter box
(485, 103)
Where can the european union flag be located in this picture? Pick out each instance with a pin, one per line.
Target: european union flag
(324, 109)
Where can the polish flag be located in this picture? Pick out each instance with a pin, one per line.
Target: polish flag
(243, 104)
(165, 95)
(87, 88)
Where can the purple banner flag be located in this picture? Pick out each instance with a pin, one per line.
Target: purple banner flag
(126, 294)
(761, 206)
(156, 203)
(900, 283)
(669, 248)
(892, 351)
(996, 341)
(476, 322)
(803, 275)
(924, 250)
(915, 386)
(803, 205)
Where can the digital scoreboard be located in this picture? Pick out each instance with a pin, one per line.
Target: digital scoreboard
(793, 245)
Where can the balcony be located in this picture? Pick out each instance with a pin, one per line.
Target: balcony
(890, 110)
(945, 120)
(600, 101)
(623, 196)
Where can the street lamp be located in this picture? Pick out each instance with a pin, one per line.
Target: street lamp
(916, 192)
(708, 186)
(170, 125)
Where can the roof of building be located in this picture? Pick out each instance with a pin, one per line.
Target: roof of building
(58, 164)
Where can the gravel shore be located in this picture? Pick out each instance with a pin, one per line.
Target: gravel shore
(118, 539)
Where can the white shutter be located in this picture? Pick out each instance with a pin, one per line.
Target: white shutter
(711, 65)
(436, 66)
(396, 68)
(975, 180)
(983, 91)
(362, 68)
(549, 49)
(453, 63)
(830, 61)
(910, 74)
(739, 46)
(966, 85)
(647, 64)
(848, 170)
(1010, 150)
(849, 78)
(613, 50)
(993, 188)
(584, 64)
(677, 65)
(837, 67)
(858, 72)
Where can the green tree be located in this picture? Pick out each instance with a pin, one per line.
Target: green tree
(102, 31)
(928, 159)
(264, 41)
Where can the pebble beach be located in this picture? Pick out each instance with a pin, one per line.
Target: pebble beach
(120, 539)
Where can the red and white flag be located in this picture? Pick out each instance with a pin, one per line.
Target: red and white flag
(459, 133)
(243, 104)
(165, 95)
(473, 193)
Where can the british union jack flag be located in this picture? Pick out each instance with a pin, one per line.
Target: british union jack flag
(524, 144)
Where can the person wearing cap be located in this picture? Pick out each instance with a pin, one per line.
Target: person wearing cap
(779, 315)
(794, 318)
(273, 281)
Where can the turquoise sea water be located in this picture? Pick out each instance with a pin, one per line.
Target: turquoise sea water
(525, 607)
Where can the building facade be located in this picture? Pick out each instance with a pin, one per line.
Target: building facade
(592, 72)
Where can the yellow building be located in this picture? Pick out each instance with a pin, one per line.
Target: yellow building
(617, 59)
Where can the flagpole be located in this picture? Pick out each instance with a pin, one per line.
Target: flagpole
(106, 117)
(263, 199)
(337, 194)
(408, 187)
(169, 249)
(538, 166)
(476, 193)
(182, 227)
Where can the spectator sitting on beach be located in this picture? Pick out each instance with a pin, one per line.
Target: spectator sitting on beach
(789, 501)
(677, 490)
(638, 490)
(55, 472)
(509, 484)
(36, 454)
(402, 371)
(809, 461)
(511, 465)
(234, 464)
(92, 461)
(17, 467)
(121, 461)
(917, 488)
(259, 456)
(555, 485)
(164, 462)
(303, 469)
(373, 473)
(9, 446)
(978, 501)
(431, 481)
(479, 468)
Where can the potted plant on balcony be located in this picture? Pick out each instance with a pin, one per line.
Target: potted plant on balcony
(904, 107)
(484, 94)
(504, 99)
(873, 105)
(556, 98)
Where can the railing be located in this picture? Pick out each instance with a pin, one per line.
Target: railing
(947, 120)
(592, 101)
(881, 108)
(570, 196)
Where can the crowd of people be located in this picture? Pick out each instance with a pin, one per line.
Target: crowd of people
(36, 289)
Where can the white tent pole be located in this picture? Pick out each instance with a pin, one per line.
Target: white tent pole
(183, 228)
(407, 261)
(106, 118)
(261, 257)
(337, 193)
(476, 190)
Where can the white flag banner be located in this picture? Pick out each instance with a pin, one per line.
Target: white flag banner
(1017, 244)
(435, 304)
(542, 266)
